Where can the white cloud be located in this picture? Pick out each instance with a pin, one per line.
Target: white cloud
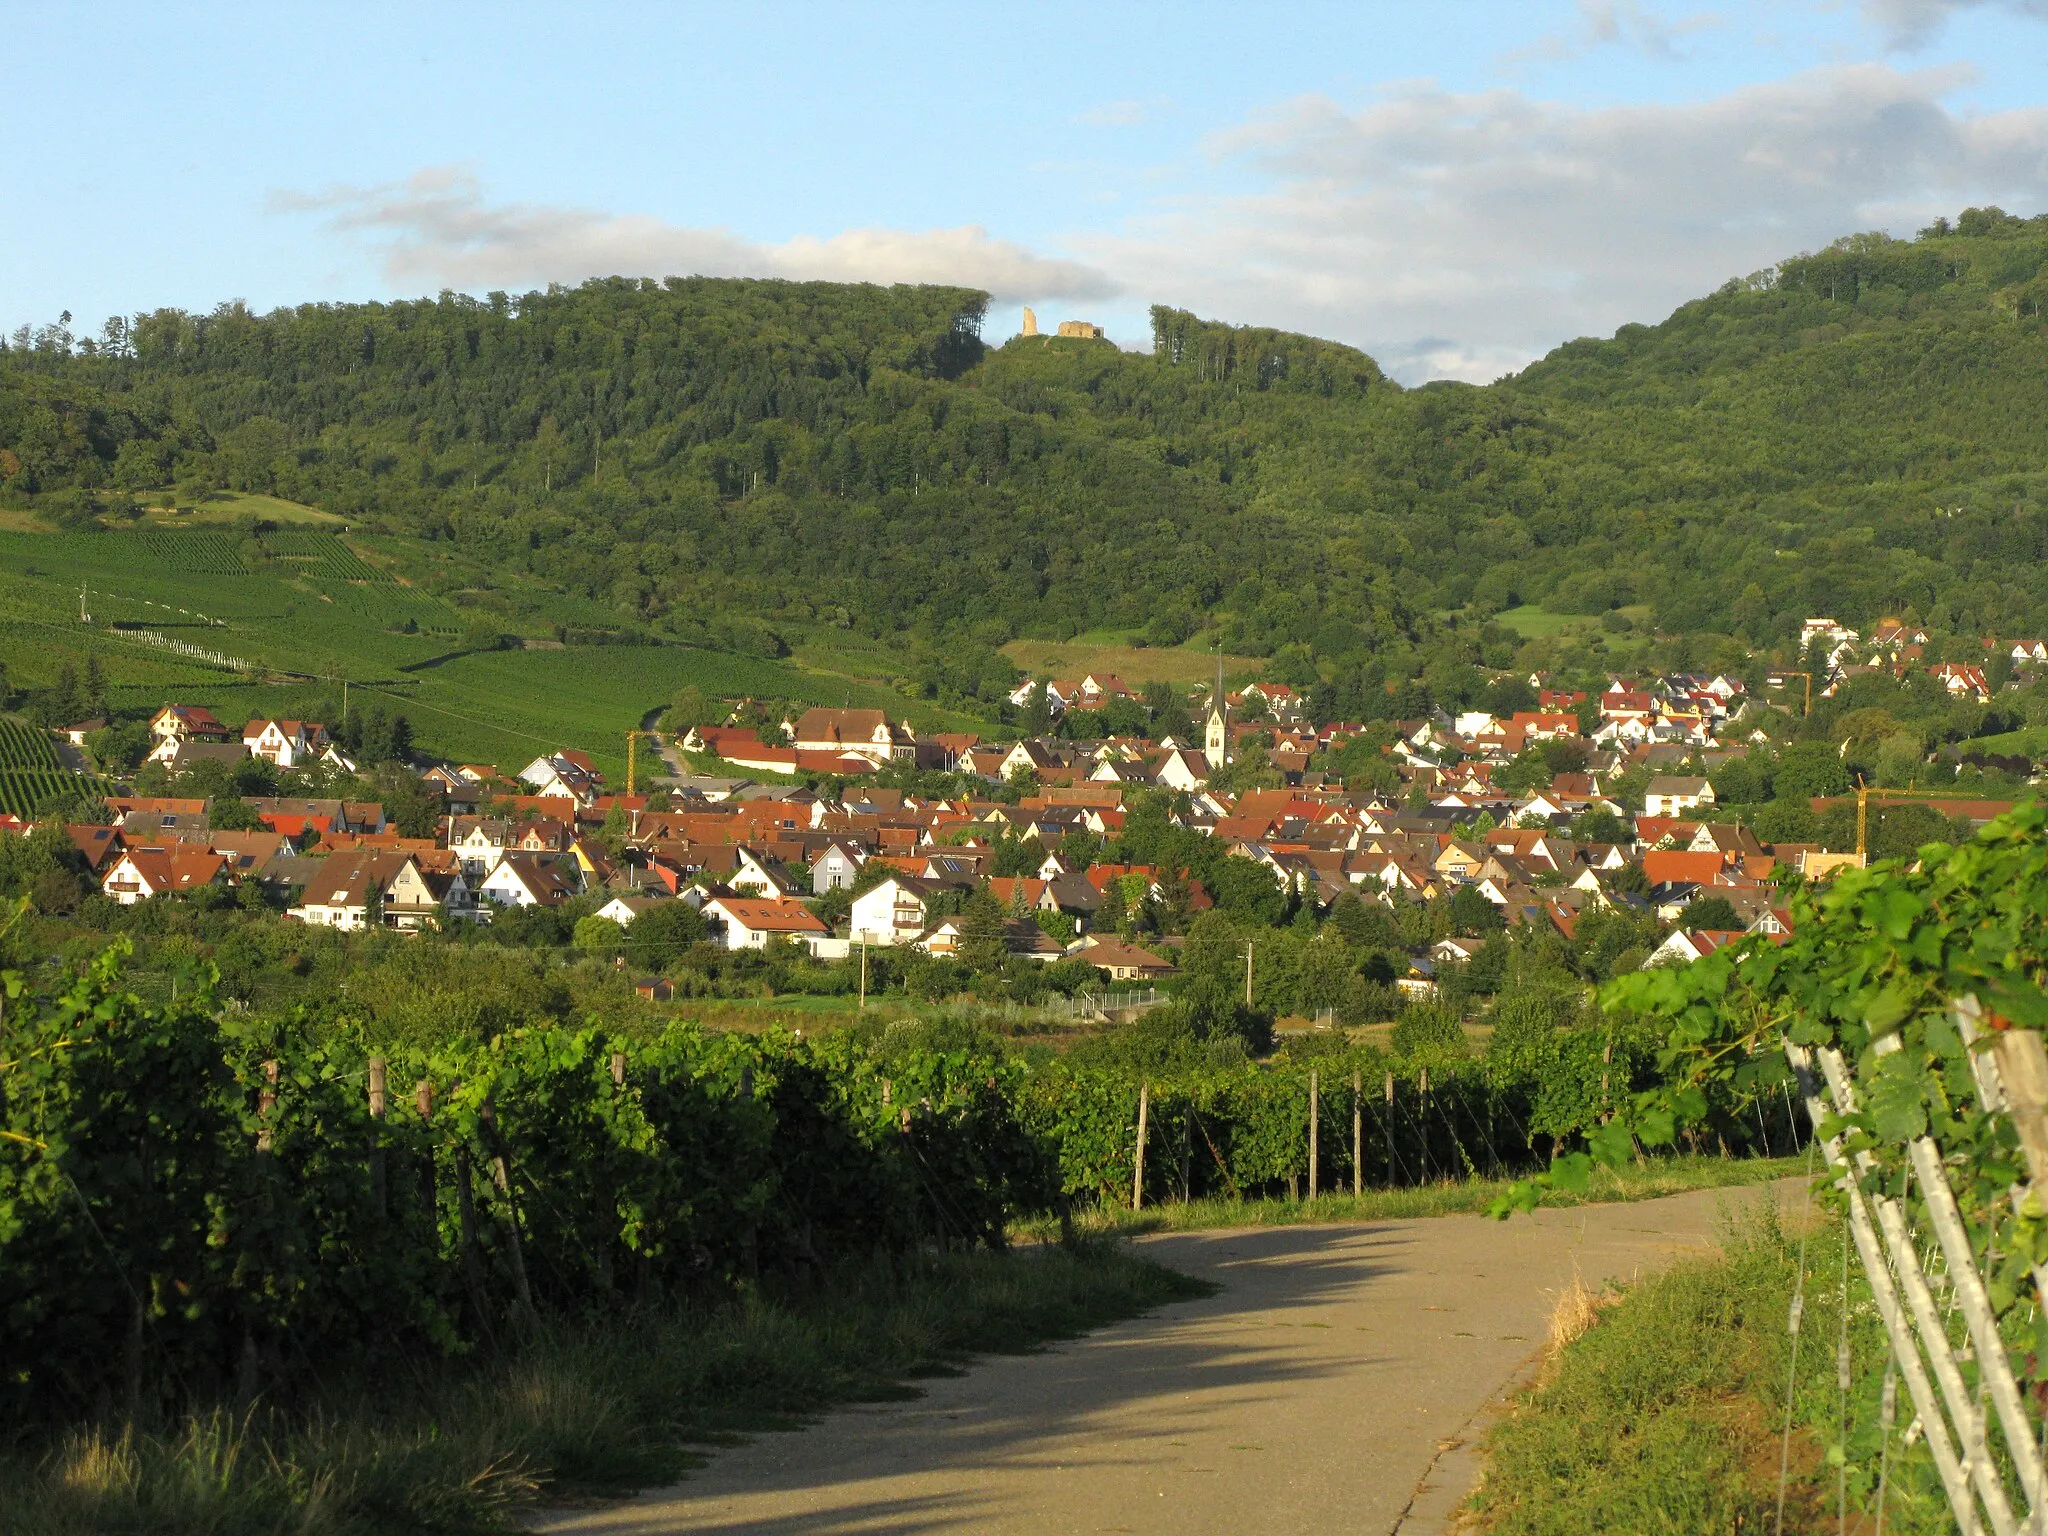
(1911, 24)
(1620, 24)
(1464, 234)
(437, 229)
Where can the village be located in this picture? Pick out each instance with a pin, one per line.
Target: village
(802, 839)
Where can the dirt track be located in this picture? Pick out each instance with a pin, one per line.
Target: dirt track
(1332, 1384)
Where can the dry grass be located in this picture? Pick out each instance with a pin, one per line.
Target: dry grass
(1135, 664)
(1575, 1310)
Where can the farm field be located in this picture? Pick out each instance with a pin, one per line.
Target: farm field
(304, 601)
(1100, 651)
(228, 506)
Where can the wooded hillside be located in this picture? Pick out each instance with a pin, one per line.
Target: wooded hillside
(1854, 432)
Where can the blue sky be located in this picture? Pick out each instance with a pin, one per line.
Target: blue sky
(1456, 188)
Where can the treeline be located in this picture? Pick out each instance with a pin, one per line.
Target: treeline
(1853, 432)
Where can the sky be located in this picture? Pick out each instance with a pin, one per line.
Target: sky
(1456, 188)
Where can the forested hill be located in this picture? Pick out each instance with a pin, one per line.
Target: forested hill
(1858, 431)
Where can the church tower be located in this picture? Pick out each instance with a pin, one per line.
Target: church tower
(1216, 738)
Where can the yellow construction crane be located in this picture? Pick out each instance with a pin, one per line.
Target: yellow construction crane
(1862, 821)
(632, 742)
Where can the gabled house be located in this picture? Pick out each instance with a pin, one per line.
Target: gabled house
(345, 895)
(182, 722)
(835, 867)
(1672, 795)
(566, 774)
(529, 880)
(745, 924)
(140, 873)
(861, 732)
(428, 893)
(894, 911)
(285, 743)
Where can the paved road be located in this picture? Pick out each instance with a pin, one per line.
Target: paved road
(1334, 1383)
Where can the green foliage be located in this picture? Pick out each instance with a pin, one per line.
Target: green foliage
(143, 1149)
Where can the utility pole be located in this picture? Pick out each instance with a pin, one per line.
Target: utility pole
(1862, 821)
(1247, 973)
(863, 975)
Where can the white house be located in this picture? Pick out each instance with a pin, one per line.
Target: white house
(892, 912)
(571, 775)
(526, 880)
(141, 873)
(1672, 795)
(751, 924)
(864, 732)
(285, 743)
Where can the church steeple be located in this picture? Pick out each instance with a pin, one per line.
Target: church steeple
(1216, 739)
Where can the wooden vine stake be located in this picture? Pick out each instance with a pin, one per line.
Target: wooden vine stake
(1138, 1162)
(377, 1094)
(1315, 1121)
(1357, 1135)
(266, 1105)
(501, 1176)
(1390, 1130)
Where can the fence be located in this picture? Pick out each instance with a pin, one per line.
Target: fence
(1934, 1271)
(1103, 1005)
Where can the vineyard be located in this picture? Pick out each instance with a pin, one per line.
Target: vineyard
(30, 772)
(305, 1200)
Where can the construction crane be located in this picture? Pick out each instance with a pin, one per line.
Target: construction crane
(1862, 822)
(632, 744)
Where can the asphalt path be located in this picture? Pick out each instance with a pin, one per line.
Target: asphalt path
(1338, 1380)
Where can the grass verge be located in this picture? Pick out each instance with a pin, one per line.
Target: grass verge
(1663, 1409)
(1647, 1181)
(587, 1409)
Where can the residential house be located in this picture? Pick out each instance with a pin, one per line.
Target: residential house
(894, 911)
(182, 722)
(1124, 962)
(529, 880)
(1671, 795)
(835, 867)
(140, 873)
(285, 743)
(346, 894)
(428, 893)
(1688, 945)
(862, 732)
(745, 924)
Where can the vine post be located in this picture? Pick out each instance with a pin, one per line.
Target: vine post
(1357, 1135)
(377, 1096)
(1390, 1130)
(1138, 1162)
(1315, 1105)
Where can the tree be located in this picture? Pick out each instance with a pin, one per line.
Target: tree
(1472, 914)
(599, 936)
(689, 709)
(982, 947)
(1809, 768)
(1037, 719)
(1709, 912)
(660, 935)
